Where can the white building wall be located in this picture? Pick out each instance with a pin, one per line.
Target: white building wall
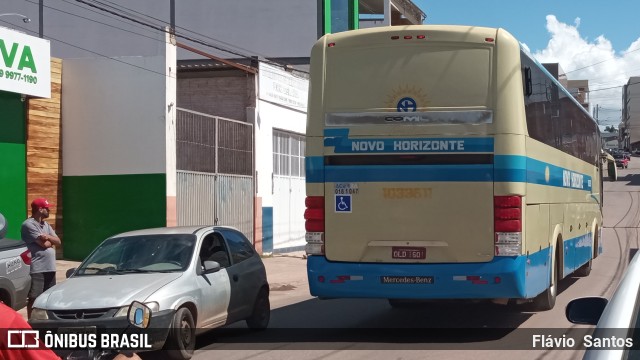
(114, 113)
(282, 102)
(633, 109)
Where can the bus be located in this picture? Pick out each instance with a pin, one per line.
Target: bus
(444, 162)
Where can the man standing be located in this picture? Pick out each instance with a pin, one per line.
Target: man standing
(40, 239)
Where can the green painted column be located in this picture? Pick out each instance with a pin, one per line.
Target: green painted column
(13, 160)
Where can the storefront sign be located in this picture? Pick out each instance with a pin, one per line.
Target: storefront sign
(281, 87)
(25, 64)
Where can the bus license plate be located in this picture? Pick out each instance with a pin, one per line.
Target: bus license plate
(398, 252)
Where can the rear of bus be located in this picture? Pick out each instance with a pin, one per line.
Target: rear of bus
(410, 190)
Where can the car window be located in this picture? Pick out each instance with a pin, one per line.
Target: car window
(241, 248)
(213, 248)
(145, 253)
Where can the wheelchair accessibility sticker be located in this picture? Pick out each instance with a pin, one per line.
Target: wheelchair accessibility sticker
(343, 203)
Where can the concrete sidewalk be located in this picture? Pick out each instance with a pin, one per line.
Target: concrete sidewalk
(286, 273)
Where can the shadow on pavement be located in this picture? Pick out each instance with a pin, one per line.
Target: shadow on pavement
(374, 324)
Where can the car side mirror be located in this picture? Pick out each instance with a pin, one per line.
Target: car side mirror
(70, 272)
(586, 310)
(139, 315)
(211, 266)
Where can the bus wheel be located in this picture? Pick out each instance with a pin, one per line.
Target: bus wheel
(547, 300)
(585, 269)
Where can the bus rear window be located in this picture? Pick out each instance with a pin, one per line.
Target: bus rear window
(407, 78)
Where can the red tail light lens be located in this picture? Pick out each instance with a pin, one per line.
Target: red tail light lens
(314, 202)
(314, 214)
(26, 257)
(508, 226)
(507, 213)
(507, 201)
(314, 225)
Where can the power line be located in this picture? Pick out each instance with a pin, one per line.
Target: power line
(96, 21)
(90, 51)
(163, 29)
(116, 6)
(599, 62)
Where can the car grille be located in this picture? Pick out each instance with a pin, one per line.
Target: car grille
(82, 314)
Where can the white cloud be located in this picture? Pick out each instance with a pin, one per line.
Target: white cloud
(572, 51)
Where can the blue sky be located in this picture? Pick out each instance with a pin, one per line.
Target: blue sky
(576, 34)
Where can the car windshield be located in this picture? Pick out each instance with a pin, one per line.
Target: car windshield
(140, 254)
(618, 156)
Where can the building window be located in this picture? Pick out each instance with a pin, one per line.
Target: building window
(288, 154)
(340, 15)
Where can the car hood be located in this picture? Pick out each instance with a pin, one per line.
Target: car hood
(103, 291)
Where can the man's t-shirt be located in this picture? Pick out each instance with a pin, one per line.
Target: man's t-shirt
(42, 259)
(10, 323)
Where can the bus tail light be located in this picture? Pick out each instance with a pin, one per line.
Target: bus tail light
(314, 225)
(507, 213)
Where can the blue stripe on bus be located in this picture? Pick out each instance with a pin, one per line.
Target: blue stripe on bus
(342, 144)
(557, 176)
(314, 169)
(518, 168)
(506, 168)
(404, 173)
(519, 276)
(510, 270)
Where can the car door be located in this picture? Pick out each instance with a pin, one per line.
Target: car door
(246, 273)
(215, 288)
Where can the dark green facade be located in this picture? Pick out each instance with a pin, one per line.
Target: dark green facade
(97, 207)
(13, 168)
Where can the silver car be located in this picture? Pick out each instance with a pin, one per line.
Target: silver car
(193, 278)
(617, 320)
(15, 264)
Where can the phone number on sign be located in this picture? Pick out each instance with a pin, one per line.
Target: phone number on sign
(13, 75)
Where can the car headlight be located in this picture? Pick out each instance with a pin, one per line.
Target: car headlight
(39, 314)
(123, 311)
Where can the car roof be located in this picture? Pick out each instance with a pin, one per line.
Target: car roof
(172, 230)
(619, 310)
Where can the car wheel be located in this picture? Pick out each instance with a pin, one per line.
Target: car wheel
(259, 319)
(182, 336)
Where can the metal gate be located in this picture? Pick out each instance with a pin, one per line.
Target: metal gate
(215, 184)
(288, 191)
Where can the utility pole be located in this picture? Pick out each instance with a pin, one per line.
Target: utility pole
(41, 19)
(173, 16)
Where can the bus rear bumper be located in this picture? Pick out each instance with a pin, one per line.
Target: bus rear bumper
(503, 277)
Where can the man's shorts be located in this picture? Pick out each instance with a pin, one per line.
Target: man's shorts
(40, 282)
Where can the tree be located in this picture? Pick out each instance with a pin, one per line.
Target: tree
(610, 129)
